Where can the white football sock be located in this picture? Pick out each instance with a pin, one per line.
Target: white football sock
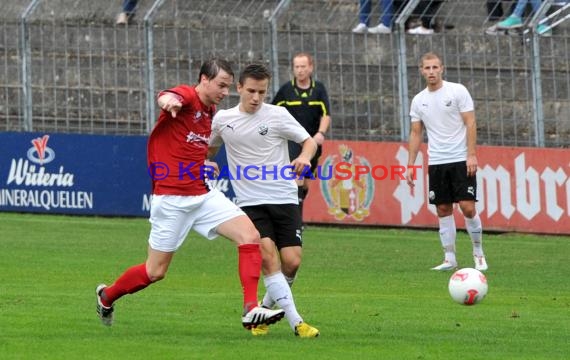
(267, 301)
(447, 233)
(475, 230)
(290, 280)
(280, 292)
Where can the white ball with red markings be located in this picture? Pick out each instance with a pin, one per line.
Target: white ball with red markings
(468, 286)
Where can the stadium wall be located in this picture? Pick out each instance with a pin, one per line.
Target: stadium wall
(72, 69)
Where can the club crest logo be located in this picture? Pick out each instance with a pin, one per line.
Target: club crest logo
(263, 129)
(40, 153)
(347, 198)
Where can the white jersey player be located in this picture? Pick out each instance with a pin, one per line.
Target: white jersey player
(446, 111)
(256, 136)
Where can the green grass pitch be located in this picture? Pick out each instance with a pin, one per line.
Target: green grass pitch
(369, 291)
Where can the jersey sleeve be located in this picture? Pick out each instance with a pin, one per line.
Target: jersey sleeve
(414, 111)
(464, 99)
(290, 128)
(215, 137)
(182, 92)
(324, 97)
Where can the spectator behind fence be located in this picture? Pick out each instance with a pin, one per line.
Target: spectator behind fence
(495, 12)
(515, 20)
(386, 17)
(128, 12)
(422, 21)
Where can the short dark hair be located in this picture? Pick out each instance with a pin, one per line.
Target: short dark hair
(255, 71)
(212, 67)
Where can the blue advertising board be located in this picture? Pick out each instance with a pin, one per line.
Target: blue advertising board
(73, 174)
(78, 174)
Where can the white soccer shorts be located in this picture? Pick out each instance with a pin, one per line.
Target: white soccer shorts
(172, 217)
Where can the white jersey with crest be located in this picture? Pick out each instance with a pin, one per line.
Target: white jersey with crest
(258, 154)
(440, 111)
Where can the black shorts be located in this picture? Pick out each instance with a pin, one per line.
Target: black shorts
(280, 222)
(449, 183)
(295, 151)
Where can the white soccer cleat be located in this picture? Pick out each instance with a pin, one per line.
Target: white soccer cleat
(480, 263)
(445, 266)
(260, 315)
(105, 313)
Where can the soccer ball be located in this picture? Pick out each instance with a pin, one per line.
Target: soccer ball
(468, 286)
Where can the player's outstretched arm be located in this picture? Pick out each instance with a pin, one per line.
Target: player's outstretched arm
(170, 102)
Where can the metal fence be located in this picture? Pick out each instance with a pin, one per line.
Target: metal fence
(67, 67)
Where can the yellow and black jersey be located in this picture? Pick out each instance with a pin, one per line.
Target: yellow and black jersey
(306, 105)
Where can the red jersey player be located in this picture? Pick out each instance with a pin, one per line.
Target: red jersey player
(181, 200)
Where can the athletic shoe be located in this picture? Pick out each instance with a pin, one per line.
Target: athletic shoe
(105, 313)
(445, 266)
(544, 30)
(360, 29)
(260, 315)
(260, 330)
(420, 30)
(480, 263)
(512, 22)
(492, 30)
(305, 330)
(122, 19)
(380, 29)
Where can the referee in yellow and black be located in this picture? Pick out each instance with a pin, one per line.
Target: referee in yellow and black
(307, 100)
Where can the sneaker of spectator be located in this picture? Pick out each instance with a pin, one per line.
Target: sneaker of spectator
(512, 22)
(493, 30)
(544, 30)
(420, 30)
(360, 29)
(127, 13)
(380, 29)
(122, 19)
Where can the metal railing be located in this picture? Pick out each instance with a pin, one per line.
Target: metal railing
(73, 69)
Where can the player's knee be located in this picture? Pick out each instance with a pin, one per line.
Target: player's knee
(156, 274)
(290, 264)
(468, 210)
(249, 236)
(290, 271)
(269, 256)
(270, 263)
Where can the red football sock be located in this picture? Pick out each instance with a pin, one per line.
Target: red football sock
(249, 263)
(132, 280)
